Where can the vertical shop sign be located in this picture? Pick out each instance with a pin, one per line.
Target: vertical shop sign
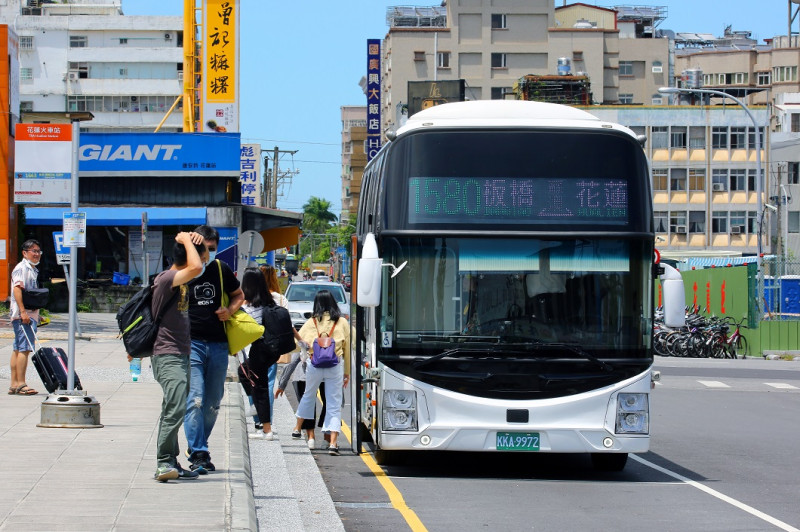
(373, 97)
(221, 66)
(250, 159)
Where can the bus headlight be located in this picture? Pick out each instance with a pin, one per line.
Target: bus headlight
(633, 413)
(399, 410)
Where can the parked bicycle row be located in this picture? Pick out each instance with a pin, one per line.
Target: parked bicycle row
(702, 337)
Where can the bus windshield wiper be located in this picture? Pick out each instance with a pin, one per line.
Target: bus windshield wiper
(457, 351)
(579, 351)
(454, 337)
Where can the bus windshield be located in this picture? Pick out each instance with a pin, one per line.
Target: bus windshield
(514, 296)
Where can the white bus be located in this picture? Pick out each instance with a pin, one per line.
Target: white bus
(504, 297)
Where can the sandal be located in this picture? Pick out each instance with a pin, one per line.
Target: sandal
(12, 390)
(24, 390)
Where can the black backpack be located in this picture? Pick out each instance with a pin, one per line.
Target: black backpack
(278, 336)
(137, 327)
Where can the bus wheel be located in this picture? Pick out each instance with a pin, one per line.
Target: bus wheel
(388, 458)
(609, 461)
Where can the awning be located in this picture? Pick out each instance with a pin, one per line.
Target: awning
(717, 262)
(120, 216)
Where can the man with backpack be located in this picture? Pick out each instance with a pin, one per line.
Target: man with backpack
(171, 349)
(209, 358)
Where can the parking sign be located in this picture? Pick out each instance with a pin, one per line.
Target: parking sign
(62, 252)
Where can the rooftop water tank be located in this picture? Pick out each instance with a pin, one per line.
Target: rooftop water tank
(692, 78)
(564, 68)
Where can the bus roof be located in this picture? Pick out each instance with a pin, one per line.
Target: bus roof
(505, 113)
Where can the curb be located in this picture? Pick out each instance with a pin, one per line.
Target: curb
(242, 507)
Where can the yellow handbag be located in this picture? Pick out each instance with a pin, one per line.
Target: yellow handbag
(241, 329)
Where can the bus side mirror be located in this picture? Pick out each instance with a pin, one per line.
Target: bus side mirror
(674, 296)
(368, 284)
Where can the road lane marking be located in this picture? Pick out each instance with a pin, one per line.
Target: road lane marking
(394, 494)
(714, 493)
(714, 384)
(781, 385)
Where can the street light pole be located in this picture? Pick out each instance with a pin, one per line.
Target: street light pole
(759, 186)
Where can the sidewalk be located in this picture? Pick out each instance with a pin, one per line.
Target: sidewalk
(102, 479)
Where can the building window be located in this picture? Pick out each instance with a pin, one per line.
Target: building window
(677, 222)
(738, 222)
(499, 93)
(737, 179)
(78, 41)
(25, 107)
(678, 137)
(752, 228)
(660, 219)
(82, 68)
(499, 22)
(764, 78)
(626, 68)
(660, 137)
(419, 56)
(793, 170)
(123, 40)
(26, 42)
(784, 73)
(660, 178)
(499, 61)
(719, 222)
(657, 67)
(656, 99)
(751, 138)
(737, 138)
(697, 179)
(677, 180)
(719, 180)
(26, 75)
(697, 137)
(626, 98)
(719, 138)
(794, 221)
(577, 55)
(751, 180)
(795, 124)
(697, 221)
(443, 59)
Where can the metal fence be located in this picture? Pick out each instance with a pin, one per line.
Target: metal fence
(781, 288)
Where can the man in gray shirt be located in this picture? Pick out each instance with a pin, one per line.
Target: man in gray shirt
(172, 348)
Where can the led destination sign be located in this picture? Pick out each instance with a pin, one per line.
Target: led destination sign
(526, 201)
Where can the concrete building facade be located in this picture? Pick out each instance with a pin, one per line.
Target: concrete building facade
(354, 158)
(85, 55)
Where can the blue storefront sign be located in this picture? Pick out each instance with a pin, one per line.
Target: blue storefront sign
(159, 154)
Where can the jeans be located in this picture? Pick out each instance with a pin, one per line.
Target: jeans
(172, 373)
(209, 367)
(23, 336)
(334, 380)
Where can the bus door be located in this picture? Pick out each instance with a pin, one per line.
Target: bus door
(363, 386)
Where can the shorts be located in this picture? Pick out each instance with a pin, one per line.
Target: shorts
(23, 340)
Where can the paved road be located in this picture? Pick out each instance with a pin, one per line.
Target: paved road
(722, 458)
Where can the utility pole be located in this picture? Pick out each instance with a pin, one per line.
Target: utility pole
(271, 181)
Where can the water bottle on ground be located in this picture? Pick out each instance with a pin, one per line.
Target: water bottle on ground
(136, 368)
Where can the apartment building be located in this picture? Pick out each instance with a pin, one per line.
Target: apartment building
(703, 165)
(354, 158)
(85, 55)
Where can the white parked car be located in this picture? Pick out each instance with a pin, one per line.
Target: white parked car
(301, 296)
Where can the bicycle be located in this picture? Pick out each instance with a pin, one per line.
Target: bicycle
(736, 343)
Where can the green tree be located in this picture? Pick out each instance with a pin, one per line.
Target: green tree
(317, 215)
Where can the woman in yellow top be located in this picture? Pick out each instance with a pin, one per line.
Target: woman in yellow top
(326, 320)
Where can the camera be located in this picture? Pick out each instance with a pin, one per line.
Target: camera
(204, 291)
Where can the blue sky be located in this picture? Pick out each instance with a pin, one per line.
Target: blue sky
(301, 61)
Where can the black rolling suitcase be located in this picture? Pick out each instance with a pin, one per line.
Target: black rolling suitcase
(51, 363)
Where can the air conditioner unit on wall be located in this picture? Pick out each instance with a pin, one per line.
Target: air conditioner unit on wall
(737, 229)
(718, 187)
(167, 36)
(73, 75)
(680, 229)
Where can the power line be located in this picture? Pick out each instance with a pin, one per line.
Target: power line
(292, 141)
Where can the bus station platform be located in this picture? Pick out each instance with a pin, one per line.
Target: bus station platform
(100, 479)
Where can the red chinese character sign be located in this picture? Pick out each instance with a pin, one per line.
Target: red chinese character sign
(220, 108)
(373, 97)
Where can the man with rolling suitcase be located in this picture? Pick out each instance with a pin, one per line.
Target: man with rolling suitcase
(23, 321)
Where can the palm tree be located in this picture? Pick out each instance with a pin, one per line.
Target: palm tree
(317, 215)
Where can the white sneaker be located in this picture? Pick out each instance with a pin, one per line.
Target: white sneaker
(269, 436)
(260, 435)
(312, 443)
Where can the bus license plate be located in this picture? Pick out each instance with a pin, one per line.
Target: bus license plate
(517, 441)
